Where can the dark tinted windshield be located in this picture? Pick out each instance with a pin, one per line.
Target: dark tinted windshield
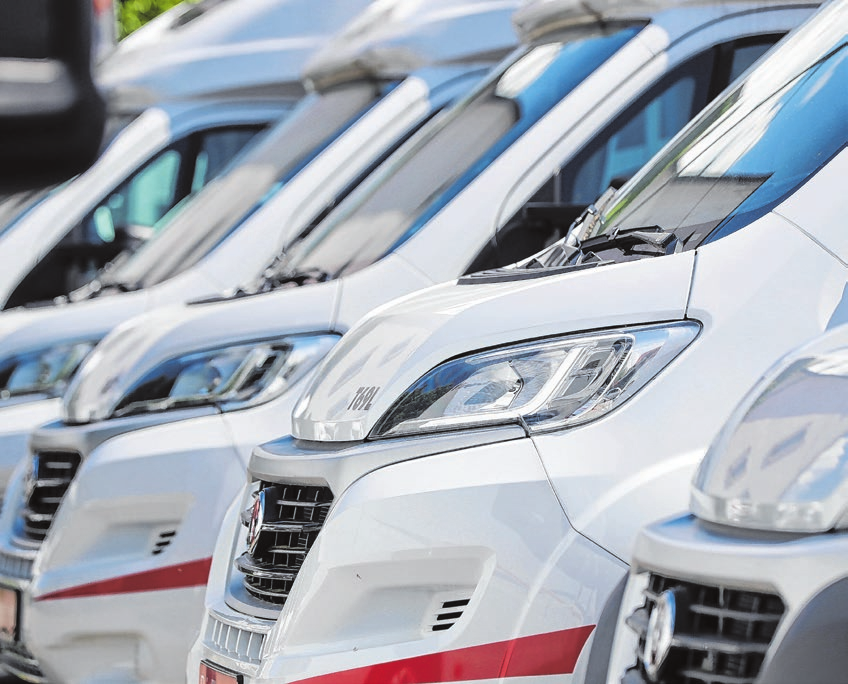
(196, 225)
(423, 177)
(747, 153)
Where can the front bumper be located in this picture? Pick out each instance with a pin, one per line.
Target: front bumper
(16, 564)
(129, 549)
(474, 533)
(796, 568)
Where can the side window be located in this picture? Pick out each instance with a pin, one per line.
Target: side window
(637, 134)
(139, 202)
(217, 148)
(743, 56)
(621, 149)
(131, 213)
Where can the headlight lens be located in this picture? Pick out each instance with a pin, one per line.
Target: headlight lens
(545, 385)
(43, 372)
(781, 461)
(230, 377)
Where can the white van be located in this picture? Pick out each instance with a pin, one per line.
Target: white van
(752, 584)
(468, 469)
(287, 179)
(204, 78)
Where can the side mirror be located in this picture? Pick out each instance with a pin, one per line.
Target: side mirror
(51, 115)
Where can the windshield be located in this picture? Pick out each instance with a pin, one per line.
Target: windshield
(14, 207)
(747, 153)
(196, 225)
(447, 154)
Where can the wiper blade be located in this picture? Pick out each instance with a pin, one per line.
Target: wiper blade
(275, 278)
(569, 249)
(646, 240)
(298, 278)
(98, 288)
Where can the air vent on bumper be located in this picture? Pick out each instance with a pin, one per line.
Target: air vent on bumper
(448, 614)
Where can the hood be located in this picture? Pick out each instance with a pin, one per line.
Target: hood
(24, 330)
(222, 49)
(397, 344)
(41, 348)
(781, 461)
(140, 345)
(393, 37)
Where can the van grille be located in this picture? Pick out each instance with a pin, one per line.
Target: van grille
(50, 475)
(15, 659)
(282, 526)
(720, 636)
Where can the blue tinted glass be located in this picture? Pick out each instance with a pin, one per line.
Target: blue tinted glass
(807, 125)
(448, 153)
(747, 152)
(575, 62)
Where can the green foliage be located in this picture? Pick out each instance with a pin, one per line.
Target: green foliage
(135, 13)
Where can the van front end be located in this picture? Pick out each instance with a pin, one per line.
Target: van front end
(444, 559)
(752, 586)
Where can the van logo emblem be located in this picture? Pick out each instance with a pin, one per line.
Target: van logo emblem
(660, 635)
(362, 398)
(257, 519)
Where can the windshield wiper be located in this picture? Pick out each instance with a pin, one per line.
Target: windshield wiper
(649, 240)
(297, 278)
(98, 288)
(272, 279)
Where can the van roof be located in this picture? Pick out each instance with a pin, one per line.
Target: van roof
(391, 38)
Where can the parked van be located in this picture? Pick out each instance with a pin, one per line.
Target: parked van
(281, 184)
(468, 468)
(203, 78)
(751, 585)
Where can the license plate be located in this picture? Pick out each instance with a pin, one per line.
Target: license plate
(8, 614)
(209, 674)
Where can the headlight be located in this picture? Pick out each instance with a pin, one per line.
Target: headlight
(229, 378)
(545, 385)
(43, 372)
(781, 461)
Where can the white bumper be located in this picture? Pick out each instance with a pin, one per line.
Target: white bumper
(474, 533)
(791, 567)
(119, 581)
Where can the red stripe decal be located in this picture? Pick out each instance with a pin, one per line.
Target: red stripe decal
(553, 653)
(191, 574)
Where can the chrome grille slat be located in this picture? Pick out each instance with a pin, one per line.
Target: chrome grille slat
(293, 517)
(729, 646)
(287, 549)
(696, 675)
(49, 482)
(51, 474)
(721, 634)
(32, 516)
(245, 564)
(735, 614)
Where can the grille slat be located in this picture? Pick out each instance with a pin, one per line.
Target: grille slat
(293, 517)
(721, 634)
(50, 476)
